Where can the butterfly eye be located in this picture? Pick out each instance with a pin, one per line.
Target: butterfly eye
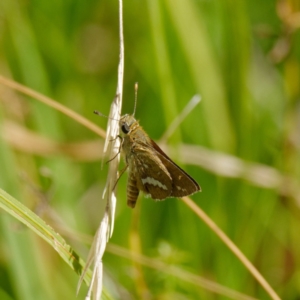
(125, 128)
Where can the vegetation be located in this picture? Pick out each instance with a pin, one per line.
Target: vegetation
(242, 57)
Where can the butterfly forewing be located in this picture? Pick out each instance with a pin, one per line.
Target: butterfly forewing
(152, 176)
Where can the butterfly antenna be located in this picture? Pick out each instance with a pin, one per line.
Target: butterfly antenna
(96, 112)
(136, 87)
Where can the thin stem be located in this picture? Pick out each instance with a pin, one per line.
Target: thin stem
(236, 251)
(121, 62)
(179, 119)
(111, 148)
(52, 103)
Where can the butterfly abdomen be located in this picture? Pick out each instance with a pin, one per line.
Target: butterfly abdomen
(132, 192)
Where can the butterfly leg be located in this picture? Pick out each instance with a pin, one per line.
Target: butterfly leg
(118, 136)
(119, 151)
(121, 173)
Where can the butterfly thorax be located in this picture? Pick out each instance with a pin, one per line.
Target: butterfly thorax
(132, 134)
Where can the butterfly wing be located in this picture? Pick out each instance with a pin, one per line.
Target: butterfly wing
(182, 183)
(152, 176)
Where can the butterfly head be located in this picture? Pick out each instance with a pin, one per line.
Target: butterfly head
(127, 123)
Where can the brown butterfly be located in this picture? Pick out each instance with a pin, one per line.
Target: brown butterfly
(150, 169)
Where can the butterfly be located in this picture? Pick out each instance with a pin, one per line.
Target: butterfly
(150, 169)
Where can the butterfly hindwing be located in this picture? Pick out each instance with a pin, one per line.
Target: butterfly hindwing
(152, 176)
(182, 183)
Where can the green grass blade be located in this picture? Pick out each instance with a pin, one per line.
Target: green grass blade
(204, 71)
(36, 224)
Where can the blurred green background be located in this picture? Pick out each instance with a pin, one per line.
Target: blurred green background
(242, 57)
